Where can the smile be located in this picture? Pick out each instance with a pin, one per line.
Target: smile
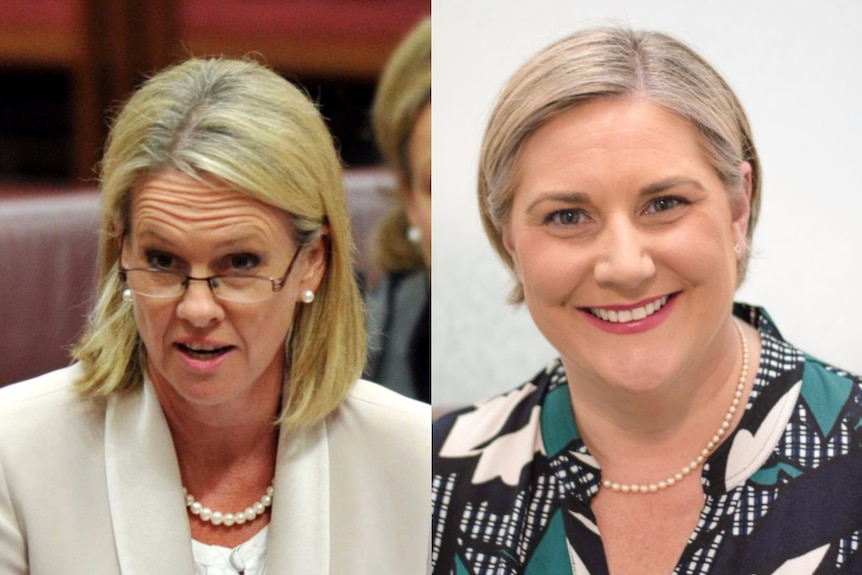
(628, 315)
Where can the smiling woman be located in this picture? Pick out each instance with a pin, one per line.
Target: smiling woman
(620, 184)
(215, 421)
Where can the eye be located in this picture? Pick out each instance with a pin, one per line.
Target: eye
(242, 262)
(568, 217)
(160, 260)
(664, 203)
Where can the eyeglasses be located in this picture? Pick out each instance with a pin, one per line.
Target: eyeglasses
(237, 288)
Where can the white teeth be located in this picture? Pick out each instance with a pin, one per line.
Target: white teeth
(634, 314)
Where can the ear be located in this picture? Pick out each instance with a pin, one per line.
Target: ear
(510, 249)
(741, 208)
(316, 261)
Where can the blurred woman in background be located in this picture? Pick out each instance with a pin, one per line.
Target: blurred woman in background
(399, 308)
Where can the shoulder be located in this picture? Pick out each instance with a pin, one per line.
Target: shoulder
(384, 407)
(377, 437)
(503, 414)
(46, 385)
(371, 411)
(831, 394)
(48, 430)
(47, 402)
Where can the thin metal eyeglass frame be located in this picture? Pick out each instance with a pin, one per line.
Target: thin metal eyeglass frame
(277, 284)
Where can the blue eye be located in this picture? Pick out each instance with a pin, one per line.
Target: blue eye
(664, 204)
(568, 217)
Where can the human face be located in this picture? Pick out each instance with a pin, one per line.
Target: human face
(417, 193)
(202, 229)
(618, 212)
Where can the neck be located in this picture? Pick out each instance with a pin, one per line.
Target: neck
(234, 442)
(648, 434)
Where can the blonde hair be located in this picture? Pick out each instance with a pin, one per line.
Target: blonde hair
(246, 126)
(403, 92)
(606, 63)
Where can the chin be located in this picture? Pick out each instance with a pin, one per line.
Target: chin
(634, 372)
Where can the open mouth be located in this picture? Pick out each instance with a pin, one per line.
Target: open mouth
(631, 314)
(203, 352)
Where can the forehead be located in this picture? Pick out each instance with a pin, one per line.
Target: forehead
(628, 123)
(173, 202)
(609, 142)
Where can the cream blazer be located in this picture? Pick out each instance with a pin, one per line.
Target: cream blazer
(94, 487)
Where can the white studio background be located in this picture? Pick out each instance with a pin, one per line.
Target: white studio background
(795, 66)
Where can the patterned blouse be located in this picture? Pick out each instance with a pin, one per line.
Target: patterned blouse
(513, 479)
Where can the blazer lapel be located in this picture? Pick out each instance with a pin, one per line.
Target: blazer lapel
(299, 531)
(148, 511)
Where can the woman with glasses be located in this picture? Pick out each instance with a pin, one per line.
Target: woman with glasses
(213, 422)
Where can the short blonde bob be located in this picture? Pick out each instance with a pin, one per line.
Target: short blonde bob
(606, 63)
(243, 124)
(402, 93)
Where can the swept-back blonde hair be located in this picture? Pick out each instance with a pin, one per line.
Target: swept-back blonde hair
(403, 92)
(606, 63)
(243, 124)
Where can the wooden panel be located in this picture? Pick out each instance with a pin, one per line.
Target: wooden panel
(40, 33)
(318, 37)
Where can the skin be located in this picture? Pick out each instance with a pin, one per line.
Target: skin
(618, 204)
(220, 413)
(417, 192)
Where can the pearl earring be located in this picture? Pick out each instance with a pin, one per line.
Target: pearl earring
(414, 234)
(307, 296)
(127, 295)
(737, 249)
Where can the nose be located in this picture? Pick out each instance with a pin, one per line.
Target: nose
(624, 260)
(198, 305)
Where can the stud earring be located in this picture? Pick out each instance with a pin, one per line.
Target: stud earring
(737, 249)
(127, 295)
(307, 296)
(414, 234)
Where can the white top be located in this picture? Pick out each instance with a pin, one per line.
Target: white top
(353, 489)
(248, 558)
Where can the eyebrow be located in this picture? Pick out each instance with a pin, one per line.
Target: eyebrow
(148, 233)
(664, 185)
(584, 198)
(562, 197)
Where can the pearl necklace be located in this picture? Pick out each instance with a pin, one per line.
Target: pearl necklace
(704, 453)
(228, 519)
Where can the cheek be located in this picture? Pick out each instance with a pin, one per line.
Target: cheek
(266, 329)
(700, 252)
(551, 269)
(152, 321)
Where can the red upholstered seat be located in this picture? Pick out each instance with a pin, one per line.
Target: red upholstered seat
(47, 270)
(320, 37)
